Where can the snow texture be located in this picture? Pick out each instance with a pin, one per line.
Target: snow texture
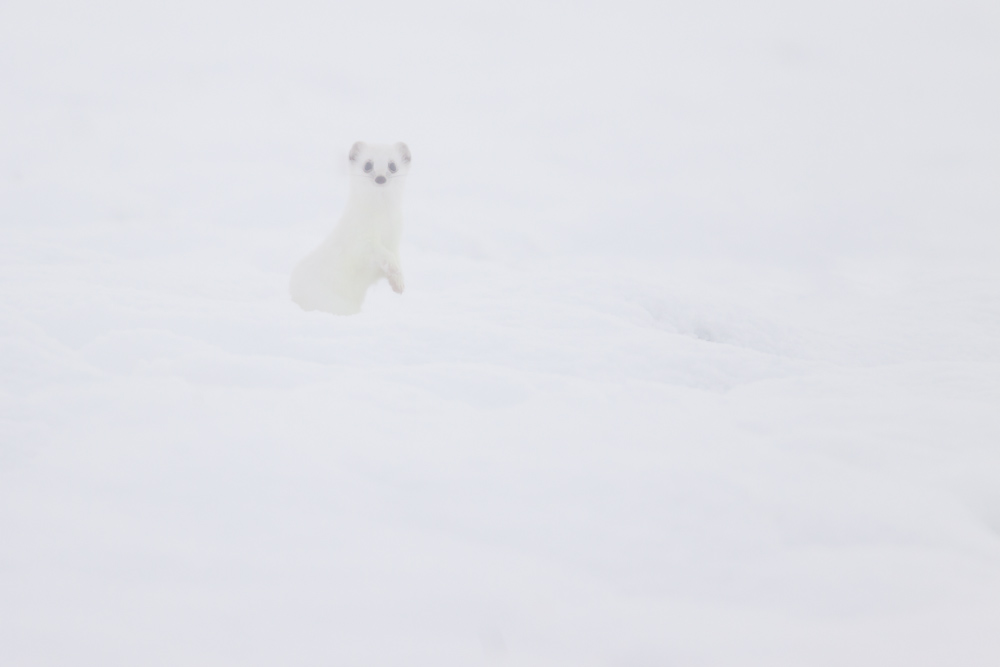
(698, 361)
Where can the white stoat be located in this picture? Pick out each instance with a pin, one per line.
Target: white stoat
(364, 246)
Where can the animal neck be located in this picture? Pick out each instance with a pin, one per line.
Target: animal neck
(374, 199)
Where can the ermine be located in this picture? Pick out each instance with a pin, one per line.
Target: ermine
(364, 245)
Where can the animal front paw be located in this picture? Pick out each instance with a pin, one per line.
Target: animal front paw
(395, 281)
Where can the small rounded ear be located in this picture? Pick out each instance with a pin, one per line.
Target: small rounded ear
(355, 150)
(404, 150)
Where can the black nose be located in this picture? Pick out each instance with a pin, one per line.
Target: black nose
(380, 179)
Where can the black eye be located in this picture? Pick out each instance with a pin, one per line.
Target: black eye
(368, 166)
(392, 167)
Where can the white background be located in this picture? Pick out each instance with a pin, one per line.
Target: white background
(698, 361)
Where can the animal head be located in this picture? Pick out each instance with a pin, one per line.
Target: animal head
(381, 164)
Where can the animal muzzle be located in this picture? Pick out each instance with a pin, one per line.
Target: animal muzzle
(380, 179)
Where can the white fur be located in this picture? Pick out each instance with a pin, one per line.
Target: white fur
(364, 246)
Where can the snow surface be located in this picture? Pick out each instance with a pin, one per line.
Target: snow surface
(698, 362)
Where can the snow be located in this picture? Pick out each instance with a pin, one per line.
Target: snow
(698, 361)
